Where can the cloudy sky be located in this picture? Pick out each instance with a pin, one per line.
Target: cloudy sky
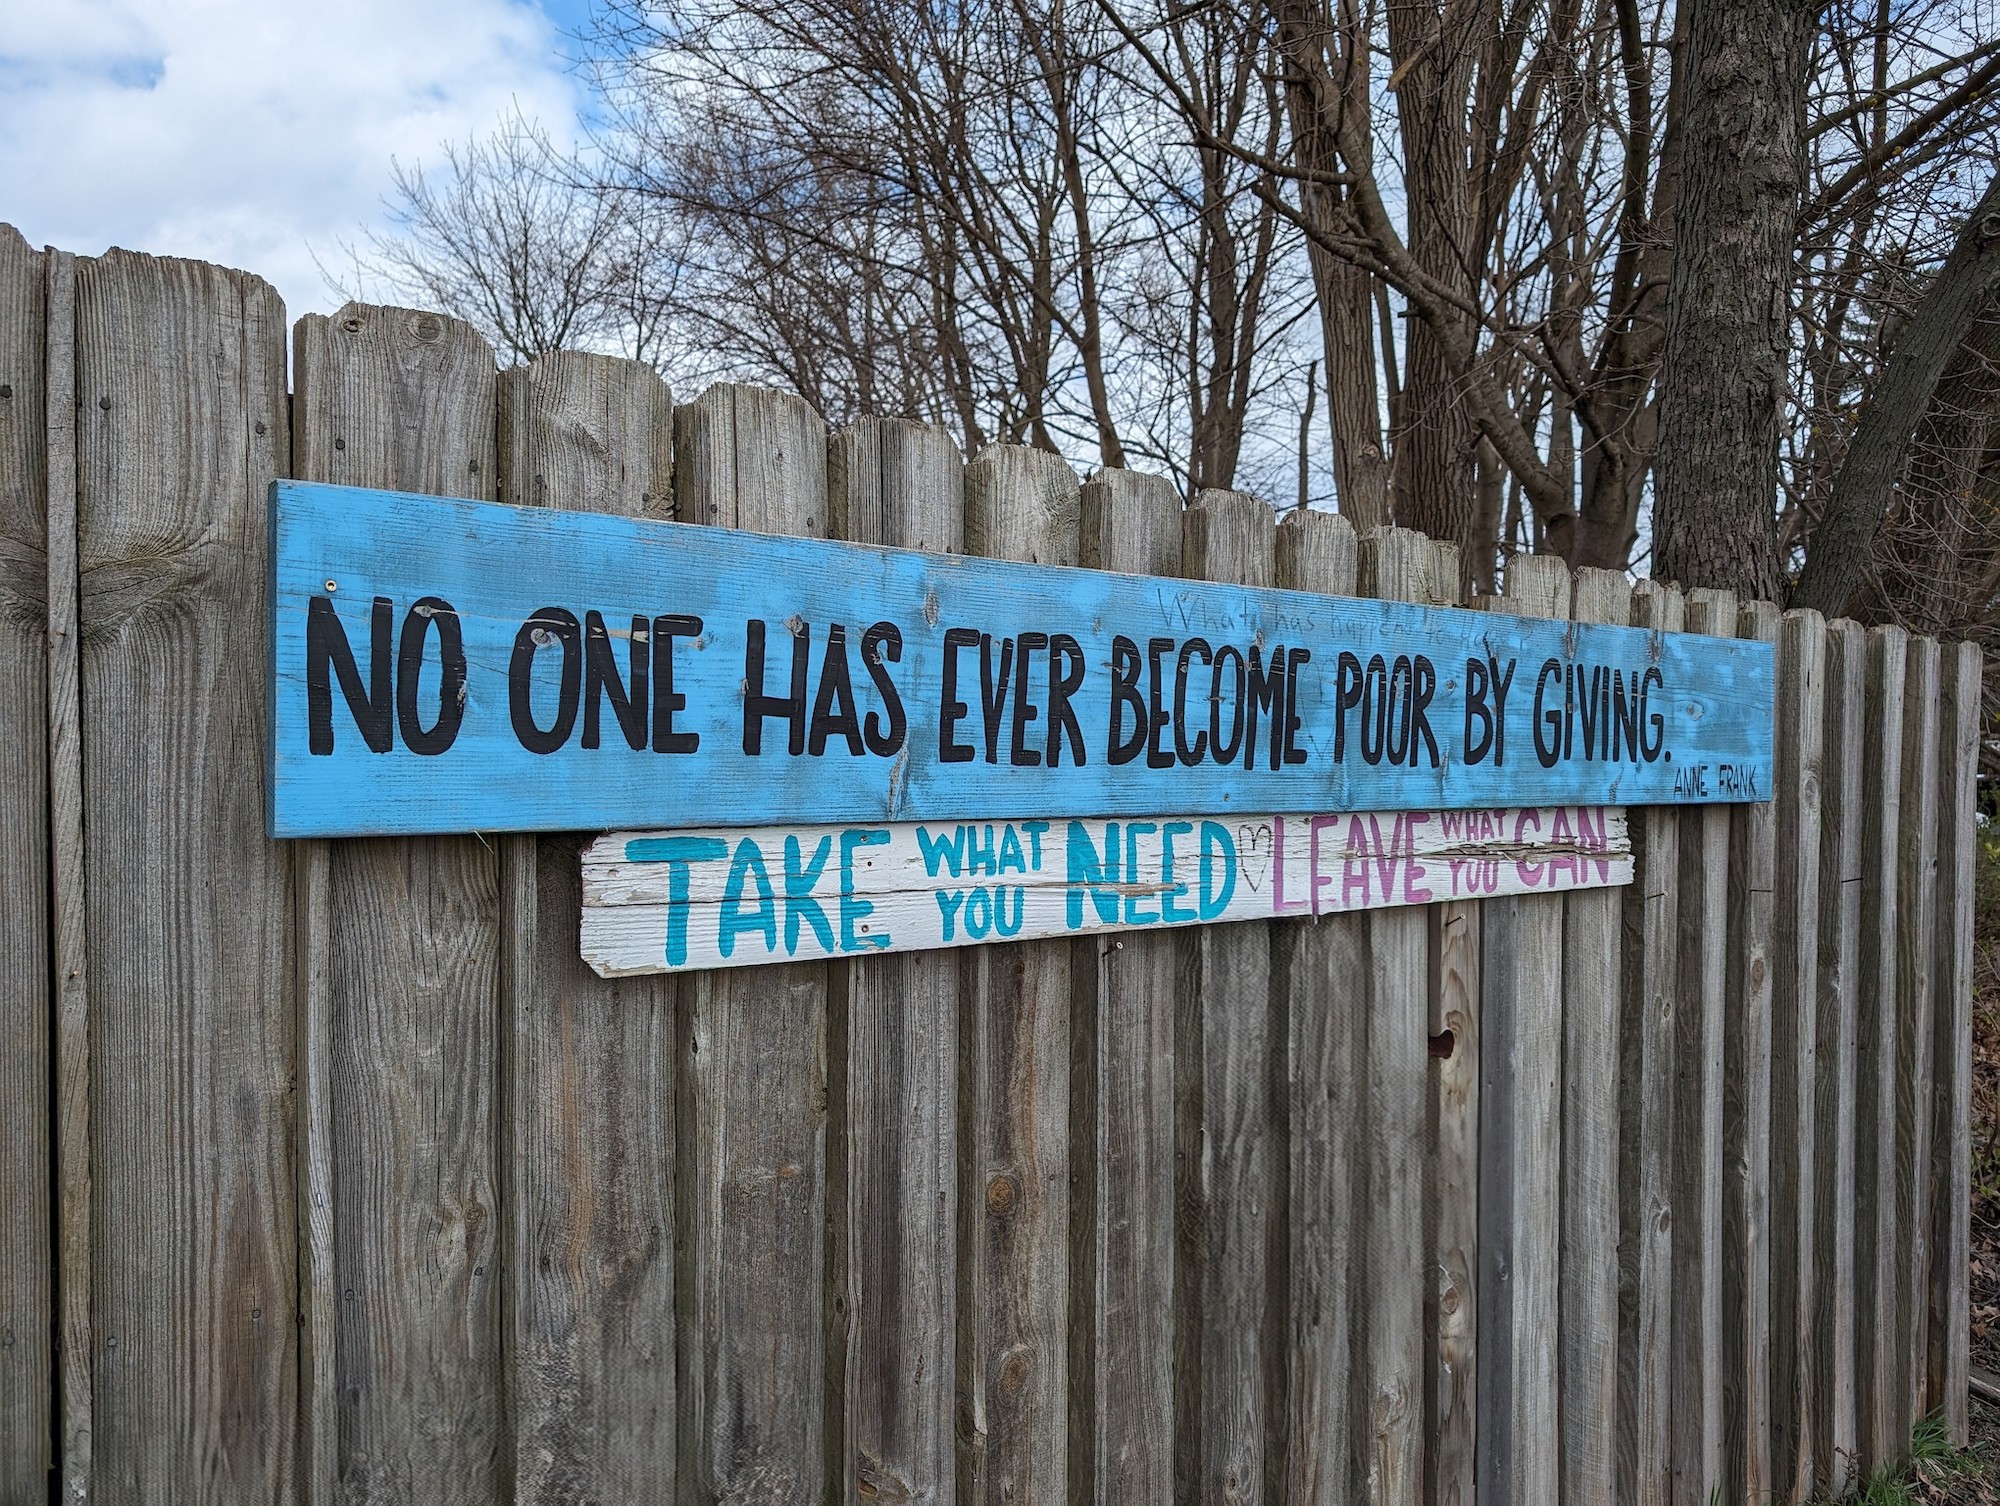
(254, 132)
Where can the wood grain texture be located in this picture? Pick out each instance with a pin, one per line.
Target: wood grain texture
(405, 1255)
(1795, 1295)
(1315, 966)
(894, 1038)
(1916, 955)
(1015, 1195)
(1396, 564)
(1961, 671)
(1230, 1205)
(1591, 1020)
(68, 915)
(27, 1064)
(180, 373)
(1699, 920)
(1122, 1119)
(1452, 1198)
(1746, 1133)
(1876, 1233)
(1843, 810)
(587, 1064)
(752, 1094)
(1521, 978)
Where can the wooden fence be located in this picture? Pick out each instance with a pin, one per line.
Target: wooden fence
(329, 1172)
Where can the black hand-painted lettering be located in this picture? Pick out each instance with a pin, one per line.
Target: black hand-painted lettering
(1126, 667)
(1019, 753)
(951, 710)
(1064, 682)
(667, 700)
(601, 681)
(327, 649)
(757, 705)
(884, 640)
(556, 625)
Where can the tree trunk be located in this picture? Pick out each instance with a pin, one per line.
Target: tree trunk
(1722, 380)
(1865, 485)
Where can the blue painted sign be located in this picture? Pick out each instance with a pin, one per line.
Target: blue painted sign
(443, 666)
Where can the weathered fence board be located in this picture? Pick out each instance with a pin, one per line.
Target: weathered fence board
(180, 378)
(1016, 1136)
(752, 1101)
(587, 1066)
(1916, 949)
(1313, 973)
(1843, 810)
(1700, 915)
(1521, 1118)
(27, 1041)
(1232, 1203)
(1950, 1191)
(408, 1020)
(1876, 1232)
(1746, 1131)
(1591, 1133)
(893, 1039)
(1123, 1078)
(68, 917)
(1396, 564)
(1795, 1294)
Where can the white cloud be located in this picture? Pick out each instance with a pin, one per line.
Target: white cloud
(250, 132)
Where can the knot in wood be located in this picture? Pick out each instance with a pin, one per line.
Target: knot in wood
(1001, 1193)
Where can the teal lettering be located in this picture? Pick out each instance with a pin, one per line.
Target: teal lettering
(799, 903)
(939, 850)
(1086, 867)
(1012, 858)
(736, 918)
(1216, 842)
(1000, 924)
(948, 904)
(852, 909)
(979, 858)
(1034, 829)
(677, 853)
(978, 914)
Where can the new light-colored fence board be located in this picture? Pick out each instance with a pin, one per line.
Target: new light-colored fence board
(331, 1171)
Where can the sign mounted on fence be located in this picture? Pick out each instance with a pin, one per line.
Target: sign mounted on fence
(663, 901)
(459, 666)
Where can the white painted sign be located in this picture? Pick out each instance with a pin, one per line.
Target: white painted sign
(733, 897)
